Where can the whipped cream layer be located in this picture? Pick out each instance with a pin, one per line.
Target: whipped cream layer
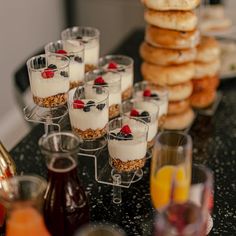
(72, 46)
(76, 71)
(113, 87)
(91, 50)
(94, 119)
(41, 87)
(162, 101)
(129, 150)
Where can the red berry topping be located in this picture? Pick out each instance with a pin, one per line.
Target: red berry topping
(47, 73)
(99, 80)
(126, 130)
(134, 112)
(112, 65)
(61, 51)
(147, 93)
(78, 104)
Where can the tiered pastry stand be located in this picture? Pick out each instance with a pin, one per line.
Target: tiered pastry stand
(56, 120)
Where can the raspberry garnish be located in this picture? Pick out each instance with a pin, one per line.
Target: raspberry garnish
(78, 104)
(61, 51)
(47, 73)
(126, 130)
(147, 93)
(112, 65)
(99, 80)
(134, 112)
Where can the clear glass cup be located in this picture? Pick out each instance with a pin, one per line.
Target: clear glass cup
(170, 169)
(190, 218)
(89, 111)
(146, 111)
(66, 205)
(74, 49)
(125, 66)
(100, 230)
(180, 220)
(110, 80)
(23, 198)
(201, 192)
(91, 39)
(127, 143)
(49, 79)
(159, 94)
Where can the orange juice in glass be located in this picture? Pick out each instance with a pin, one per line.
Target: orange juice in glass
(22, 196)
(170, 169)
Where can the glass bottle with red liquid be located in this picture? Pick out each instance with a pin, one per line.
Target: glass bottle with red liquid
(7, 169)
(66, 206)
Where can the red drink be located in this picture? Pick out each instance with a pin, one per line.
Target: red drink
(181, 220)
(65, 207)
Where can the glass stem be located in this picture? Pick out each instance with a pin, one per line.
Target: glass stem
(117, 197)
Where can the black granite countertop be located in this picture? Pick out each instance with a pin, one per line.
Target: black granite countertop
(214, 141)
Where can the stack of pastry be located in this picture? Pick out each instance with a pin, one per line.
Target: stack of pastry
(207, 66)
(169, 52)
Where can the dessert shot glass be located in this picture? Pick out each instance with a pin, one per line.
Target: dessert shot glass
(125, 66)
(146, 111)
(74, 49)
(127, 143)
(49, 79)
(88, 111)
(158, 94)
(112, 81)
(91, 39)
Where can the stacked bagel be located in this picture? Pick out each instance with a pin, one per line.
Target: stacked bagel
(169, 52)
(207, 66)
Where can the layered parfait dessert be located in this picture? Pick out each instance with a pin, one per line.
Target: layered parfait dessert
(123, 65)
(73, 49)
(146, 111)
(127, 143)
(91, 40)
(111, 80)
(88, 111)
(155, 93)
(49, 79)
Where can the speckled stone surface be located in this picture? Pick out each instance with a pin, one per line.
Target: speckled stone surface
(214, 145)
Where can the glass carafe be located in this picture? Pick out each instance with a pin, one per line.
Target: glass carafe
(66, 206)
(22, 196)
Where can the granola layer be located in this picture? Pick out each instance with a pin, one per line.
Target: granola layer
(150, 144)
(129, 165)
(90, 133)
(161, 121)
(114, 111)
(52, 101)
(90, 67)
(127, 94)
(74, 84)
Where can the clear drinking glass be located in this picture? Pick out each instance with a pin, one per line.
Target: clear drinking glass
(171, 169)
(49, 79)
(23, 198)
(100, 230)
(127, 143)
(146, 111)
(156, 93)
(190, 218)
(110, 80)
(74, 49)
(91, 39)
(66, 206)
(125, 66)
